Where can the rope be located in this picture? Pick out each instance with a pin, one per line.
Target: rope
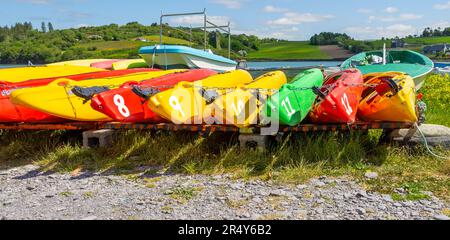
(427, 146)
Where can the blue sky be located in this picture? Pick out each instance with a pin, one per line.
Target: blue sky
(288, 19)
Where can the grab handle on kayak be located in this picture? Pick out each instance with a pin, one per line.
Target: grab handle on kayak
(318, 92)
(387, 85)
(88, 93)
(145, 93)
(209, 95)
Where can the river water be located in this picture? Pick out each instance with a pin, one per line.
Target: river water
(258, 64)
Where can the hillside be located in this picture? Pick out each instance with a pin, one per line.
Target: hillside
(428, 40)
(288, 51)
(22, 43)
(127, 48)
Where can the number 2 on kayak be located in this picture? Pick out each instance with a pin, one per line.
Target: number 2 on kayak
(346, 104)
(286, 103)
(120, 103)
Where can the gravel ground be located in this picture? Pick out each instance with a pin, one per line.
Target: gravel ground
(26, 193)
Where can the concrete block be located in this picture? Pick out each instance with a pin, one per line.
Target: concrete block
(98, 138)
(259, 142)
(429, 130)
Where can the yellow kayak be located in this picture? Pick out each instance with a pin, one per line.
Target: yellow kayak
(58, 100)
(392, 100)
(241, 106)
(80, 63)
(186, 102)
(129, 64)
(14, 75)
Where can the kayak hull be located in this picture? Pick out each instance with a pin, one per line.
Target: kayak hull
(186, 102)
(108, 65)
(389, 105)
(15, 75)
(343, 92)
(292, 104)
(129, 64)
(10, 112)
(135, 108)
(81, 63)
(57, 98)
(241, 106)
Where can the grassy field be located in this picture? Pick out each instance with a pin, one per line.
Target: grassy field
(113, 45)
(127, 48)
(288, 51)
(294, 160)
(428, 40)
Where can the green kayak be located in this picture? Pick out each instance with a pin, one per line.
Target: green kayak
(412, 63)
(295, 99)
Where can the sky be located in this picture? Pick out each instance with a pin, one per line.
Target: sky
(284, 19)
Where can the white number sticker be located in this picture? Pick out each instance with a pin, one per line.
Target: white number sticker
(286, 103)
(240, 106)
(175, 104)
(346, 104)
(120, 103)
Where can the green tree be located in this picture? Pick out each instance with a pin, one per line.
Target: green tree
(50, 27)
(43, 27)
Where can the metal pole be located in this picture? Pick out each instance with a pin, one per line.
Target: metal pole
(161, 29)
(190, 35)
(229, 40)
(204, 15)
(178, 14)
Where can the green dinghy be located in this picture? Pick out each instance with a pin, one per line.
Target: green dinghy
(294, 100)
(412, 63)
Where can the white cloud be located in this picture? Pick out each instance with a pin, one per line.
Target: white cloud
(391, 10)
(232, 4)
(198, 20)
(396, 18)
(291, 18)
(272, 9)
(34, 1)
(364, 10)
(400, 30)
(442, 6)
(440, 24)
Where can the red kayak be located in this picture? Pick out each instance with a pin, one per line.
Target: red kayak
(134, 96)
(10, 112)
(105, 65)
(338, 99)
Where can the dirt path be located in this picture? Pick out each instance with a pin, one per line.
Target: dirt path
(335, 52)
(26, 193)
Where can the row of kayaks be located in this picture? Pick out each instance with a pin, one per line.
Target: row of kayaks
(107, 64)
(202, 96)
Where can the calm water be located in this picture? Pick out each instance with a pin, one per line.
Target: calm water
(255, 65)
(260, 64)
(10, 66)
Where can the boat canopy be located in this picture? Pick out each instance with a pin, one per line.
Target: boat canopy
(176, 49)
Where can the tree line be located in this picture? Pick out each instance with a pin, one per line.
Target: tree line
(21, 42)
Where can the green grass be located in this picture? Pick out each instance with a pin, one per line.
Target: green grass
(288, 51)
(126, 48)
(295, 159)
(154, 39)
(437, 97)
(428, 40)
(113, 45)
